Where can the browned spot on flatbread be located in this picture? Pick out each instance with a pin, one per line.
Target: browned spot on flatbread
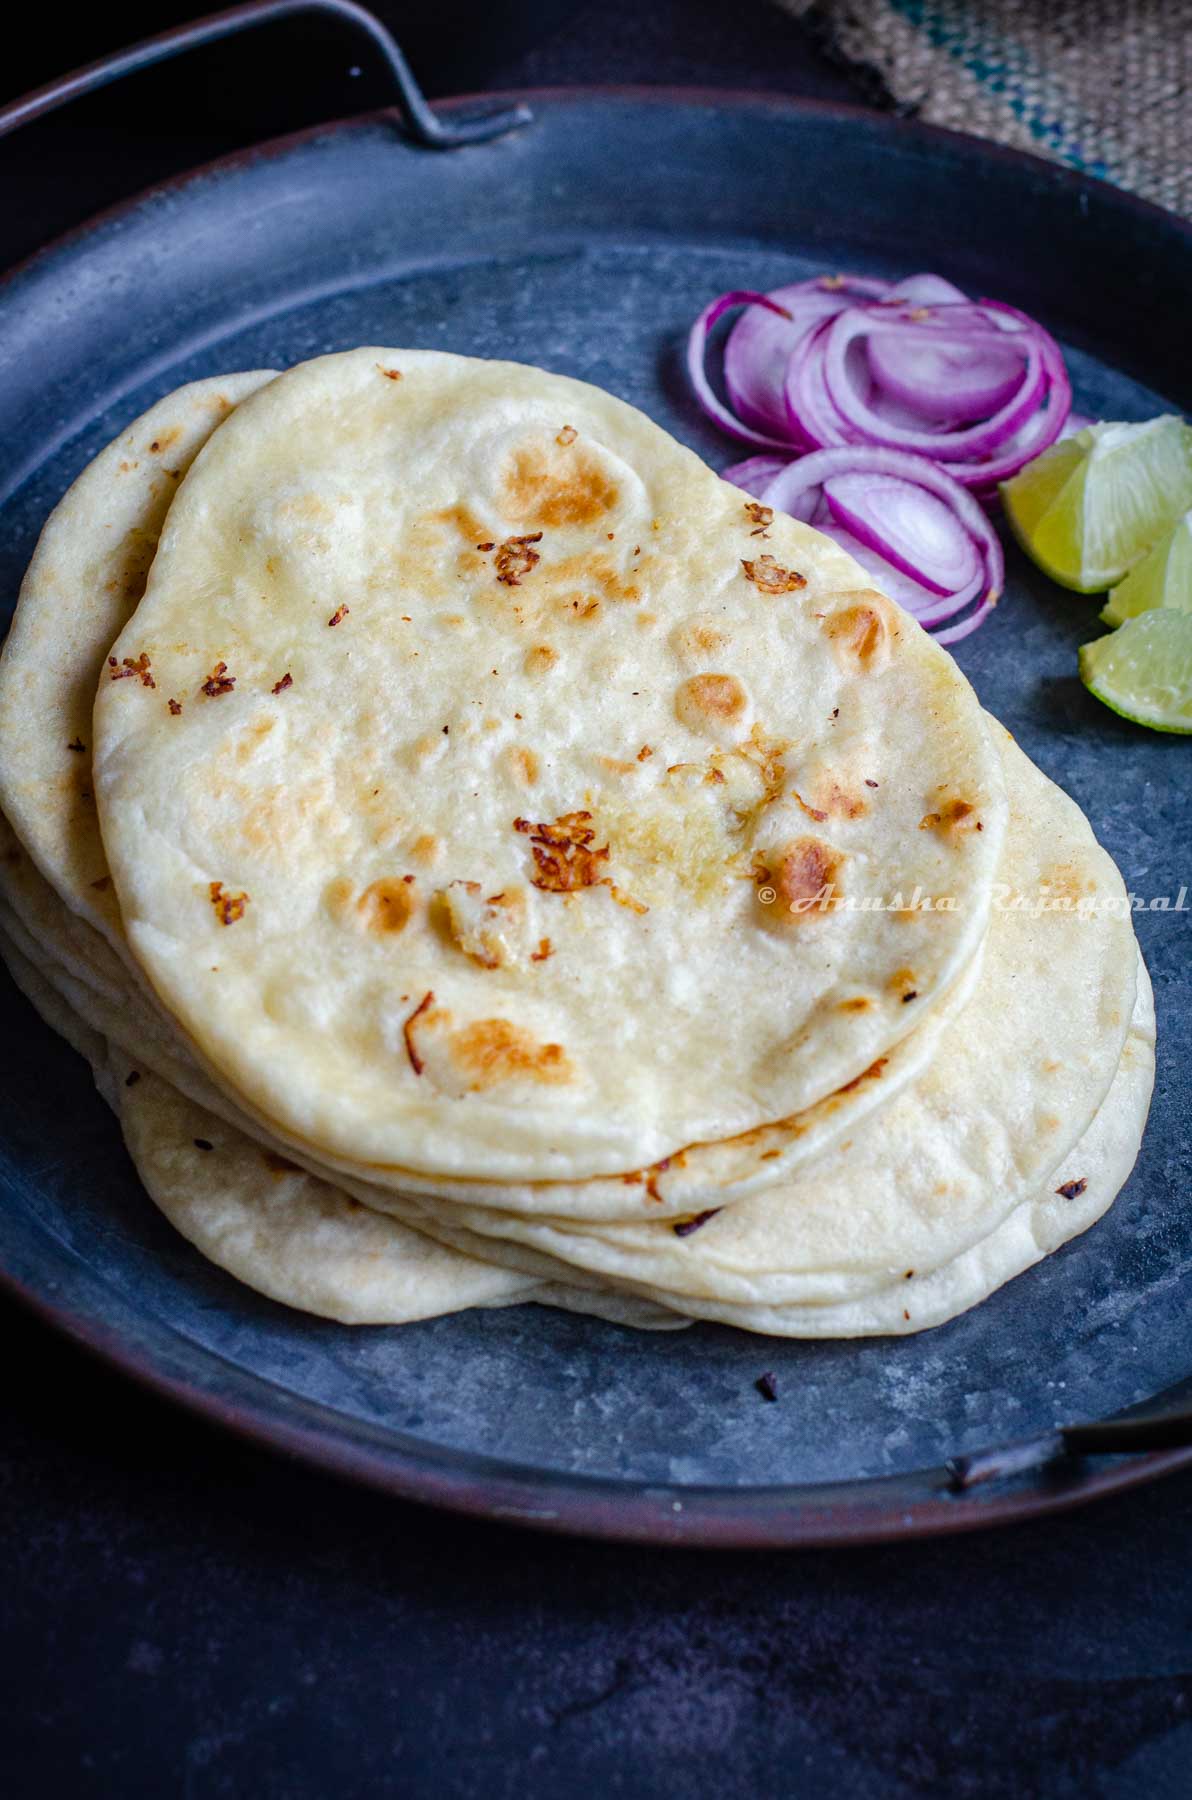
(132, 668)
(523, 764)
(862, 633)
(219, 682)
(828, 798)
(806, 875)
(709, 702)
(228, 907)
(387, 906)
(696, 641)
(564, 856)
(767, 756)
(623, 899)
(770, 577)
(554, 485)
(954, 818)
(1067, 884)
(904, 984)
(859, 1003)
(872, 1073)
(840, 804)
(250, 740)
(589, 577)
(427, 1001)
(427, 848)
(516, 558)
(491, 1051)
(164, 439)
(813, 812)
(466, 523)
(541, 658)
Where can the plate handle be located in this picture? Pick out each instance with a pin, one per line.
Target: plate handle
(421, 122)
(1139, 1436)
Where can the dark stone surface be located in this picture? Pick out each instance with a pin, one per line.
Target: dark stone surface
(185, 1614)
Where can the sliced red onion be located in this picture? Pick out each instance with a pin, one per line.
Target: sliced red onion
(811, 415)
(760, 343)
(974, 385)
(983, 473)
(952, 382)
(966, 626)
(755, 473)
(697, 349)
(925, 606)
(875, 524)
(914, 530)
(814, 415)
(981, 478)
(926, 290)
(860, 419)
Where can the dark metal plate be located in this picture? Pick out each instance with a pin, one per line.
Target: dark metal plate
(586, 243)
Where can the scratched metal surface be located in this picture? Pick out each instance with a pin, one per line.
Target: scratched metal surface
(553, 247)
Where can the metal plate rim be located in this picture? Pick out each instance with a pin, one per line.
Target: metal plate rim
(806, 1515)
(760, 100)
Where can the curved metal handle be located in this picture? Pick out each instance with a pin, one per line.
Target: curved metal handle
(420, 121)
(1107, 1437)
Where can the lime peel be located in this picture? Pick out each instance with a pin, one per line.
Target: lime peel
(1143, 670)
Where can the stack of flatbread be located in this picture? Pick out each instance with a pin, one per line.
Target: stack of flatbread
(487, 858)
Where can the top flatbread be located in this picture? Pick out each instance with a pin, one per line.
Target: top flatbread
(89, 568)
(369, 892)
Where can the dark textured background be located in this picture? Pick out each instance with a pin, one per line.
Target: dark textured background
(182, 1614)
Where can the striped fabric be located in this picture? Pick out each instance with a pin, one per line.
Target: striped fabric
(1103, 85)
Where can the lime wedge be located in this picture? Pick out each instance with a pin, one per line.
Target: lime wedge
(1090, 508)
(1144, 669)
(1162, 578)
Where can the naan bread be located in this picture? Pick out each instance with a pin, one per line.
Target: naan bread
(703, 1175)
(87, 574)
(376, 896)
(308, 1226)
(72, 605)
(1078, 1192)
(309, 1245)
(1019, 1078)
(1015, 1082)
(281, 1231)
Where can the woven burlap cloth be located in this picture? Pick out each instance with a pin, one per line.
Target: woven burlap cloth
(1104, 85)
